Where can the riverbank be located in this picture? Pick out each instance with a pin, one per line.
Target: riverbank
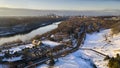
(27, 37)
(12, 26)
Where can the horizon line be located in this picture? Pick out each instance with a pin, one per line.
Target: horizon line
(57, 9)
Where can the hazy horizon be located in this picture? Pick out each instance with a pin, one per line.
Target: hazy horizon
(31, 12)
(59, 7)
(62, 4)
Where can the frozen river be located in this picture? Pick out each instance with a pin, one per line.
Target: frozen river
(30, 35)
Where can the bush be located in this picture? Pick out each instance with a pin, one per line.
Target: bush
(116, 28)
(114, 62)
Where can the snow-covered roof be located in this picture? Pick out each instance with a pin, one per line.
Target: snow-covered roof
(12, 59)
(19, 48)
(50, 43)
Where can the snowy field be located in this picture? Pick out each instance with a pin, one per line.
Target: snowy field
(102, 42)
(85, 58)
(74, 60)
(98, 42)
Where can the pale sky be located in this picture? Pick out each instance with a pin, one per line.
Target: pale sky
(62, 4)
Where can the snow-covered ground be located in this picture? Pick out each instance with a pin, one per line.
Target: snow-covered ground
(98, 42)
(74, 60)
(84, 58)
(12, 59)
(19, 48)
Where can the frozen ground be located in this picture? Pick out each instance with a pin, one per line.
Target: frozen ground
(98, 42)
(12, 59)
(19, 48)
(74, 60)
(84, 58)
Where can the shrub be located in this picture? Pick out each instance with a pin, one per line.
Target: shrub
(114, 62)
(116, 28)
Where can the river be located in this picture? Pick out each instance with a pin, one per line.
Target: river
(28, 36)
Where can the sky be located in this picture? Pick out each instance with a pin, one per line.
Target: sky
(62, 4)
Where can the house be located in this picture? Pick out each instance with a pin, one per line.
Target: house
(60, 36)
(36, 42)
